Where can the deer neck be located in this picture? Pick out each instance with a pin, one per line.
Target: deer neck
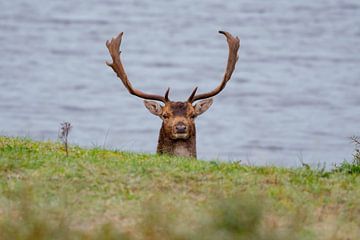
(176, 147)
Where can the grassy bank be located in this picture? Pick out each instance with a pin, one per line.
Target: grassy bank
(101, 194)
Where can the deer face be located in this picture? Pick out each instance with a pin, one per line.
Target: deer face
(178, 117)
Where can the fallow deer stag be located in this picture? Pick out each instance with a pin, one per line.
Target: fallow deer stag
(177, 134)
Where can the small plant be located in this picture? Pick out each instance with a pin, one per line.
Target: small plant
(354, 166)
(63, 135)
(356, 141)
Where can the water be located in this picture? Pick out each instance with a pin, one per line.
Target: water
(294, 96)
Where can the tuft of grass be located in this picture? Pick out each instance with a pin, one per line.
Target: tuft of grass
(349, 167)
(354, 166)
(102, 194)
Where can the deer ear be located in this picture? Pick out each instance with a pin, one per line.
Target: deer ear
(202, 106)
(153, 107)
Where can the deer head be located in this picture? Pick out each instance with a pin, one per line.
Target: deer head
(177, 134)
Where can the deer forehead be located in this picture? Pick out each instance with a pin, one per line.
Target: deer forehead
(178, 108)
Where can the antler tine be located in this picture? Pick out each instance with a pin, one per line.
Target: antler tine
(234, 44)
(190, 99)
(167, 95)
(114, 49)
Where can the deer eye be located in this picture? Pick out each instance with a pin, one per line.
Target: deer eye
(165, 116)
(192, 116)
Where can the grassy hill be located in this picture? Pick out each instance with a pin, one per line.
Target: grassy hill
(102, 194)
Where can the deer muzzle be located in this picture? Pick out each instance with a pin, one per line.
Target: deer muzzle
(180, 131)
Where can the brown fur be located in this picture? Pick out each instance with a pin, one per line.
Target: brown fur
(174, 113)
(177, 147)
(178, 133)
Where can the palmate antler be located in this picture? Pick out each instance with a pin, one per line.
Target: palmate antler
(234, 44)
(114, 49)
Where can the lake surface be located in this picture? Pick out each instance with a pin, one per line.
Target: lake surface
(293, 97)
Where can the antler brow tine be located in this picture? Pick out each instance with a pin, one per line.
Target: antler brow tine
(234, 44)
(167, 94)
(114, 49)
(192, 95)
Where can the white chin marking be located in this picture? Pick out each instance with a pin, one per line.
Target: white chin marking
(181, 136)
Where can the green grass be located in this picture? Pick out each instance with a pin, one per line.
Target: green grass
(102, 194)
(350, 167)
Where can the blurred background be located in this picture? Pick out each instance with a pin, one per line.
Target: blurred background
(294, 95)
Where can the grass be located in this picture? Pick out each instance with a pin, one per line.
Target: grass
(102, 194)
(354, 166)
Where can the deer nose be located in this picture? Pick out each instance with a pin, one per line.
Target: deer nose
(180, 128)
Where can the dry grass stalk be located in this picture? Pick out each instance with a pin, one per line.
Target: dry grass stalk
(63, 135)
